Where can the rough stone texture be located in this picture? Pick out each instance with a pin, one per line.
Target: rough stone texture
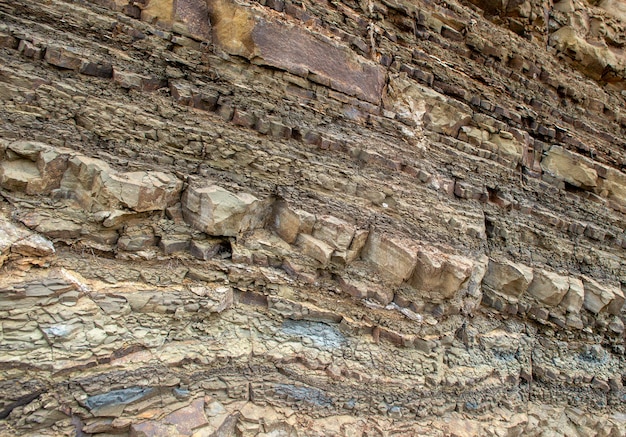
(508, 278)
(280, 217)
(217, 211)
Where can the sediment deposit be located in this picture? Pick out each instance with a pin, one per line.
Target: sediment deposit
(306, 218)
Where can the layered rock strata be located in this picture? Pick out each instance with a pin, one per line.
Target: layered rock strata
(272, 217)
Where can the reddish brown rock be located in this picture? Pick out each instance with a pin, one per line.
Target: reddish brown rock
(239, 31)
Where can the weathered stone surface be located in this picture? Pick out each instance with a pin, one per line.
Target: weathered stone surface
(424, 106)
(601, 298)
(288, 222)
(335, 232)
(63, 57)
(139, 191)
(593, 60)
(219, 212)
(508, 278)
(613, 186)
(401, 127)
(393, 257)
(440, 275)
(315, 248)
(549, 288)
(570, 167)
(573, 300)
(33, 245)
(241, 32)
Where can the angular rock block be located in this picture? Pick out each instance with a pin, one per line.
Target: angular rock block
(219, 212)
(336, 232)
(63, 57)
(573, 300)
(425, 106)
(240, 31)
(548, 287)
(139, 190)
(288, 222)
(600, 298)
(32, 167)
(440, 275)
(395, 258)
(508, 278)
(591, 59)
(613, 186)
(570, 167)
(315, 248)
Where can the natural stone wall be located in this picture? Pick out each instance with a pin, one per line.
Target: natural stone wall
(272, 217)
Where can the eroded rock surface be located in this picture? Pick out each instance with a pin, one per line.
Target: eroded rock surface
(310, 218)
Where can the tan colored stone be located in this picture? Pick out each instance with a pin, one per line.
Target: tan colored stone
(395, 258)
(33, 245)
(600, 298)
(314, 248)
(508, 278)
(548, 287)
(509, 148)
(570, 167)
(440, 275)
(219, 212)
(139, 190)
(573, 300)
(426, 107)
(336, 232)
(241, 32)
(288, 222)
(613, 186)
(591, 59)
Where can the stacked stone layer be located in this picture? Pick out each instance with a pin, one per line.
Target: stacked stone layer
(312, 218)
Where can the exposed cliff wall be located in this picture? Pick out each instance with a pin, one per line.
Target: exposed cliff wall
(387, 217)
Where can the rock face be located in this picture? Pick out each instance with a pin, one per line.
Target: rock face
(304, 218)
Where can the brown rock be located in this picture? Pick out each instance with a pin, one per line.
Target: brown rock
(599, 298)
(395, 258)
(238, 31)
(219, 212)
(507, 278)
(63, 57)
(440, 275)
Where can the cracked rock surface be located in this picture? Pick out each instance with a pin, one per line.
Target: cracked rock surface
(307, 218)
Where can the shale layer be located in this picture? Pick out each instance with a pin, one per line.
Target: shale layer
(306, 218)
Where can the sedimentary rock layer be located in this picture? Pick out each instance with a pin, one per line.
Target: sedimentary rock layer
(272, 217)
